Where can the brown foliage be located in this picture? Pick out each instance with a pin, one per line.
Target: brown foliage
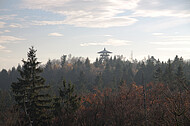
(126, 107)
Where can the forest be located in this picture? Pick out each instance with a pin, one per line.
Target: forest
(72, 91)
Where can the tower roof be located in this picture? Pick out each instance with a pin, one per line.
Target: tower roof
(104, 51)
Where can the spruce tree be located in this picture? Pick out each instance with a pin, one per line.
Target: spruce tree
(158, 75)
(168, 75)
(180, 78)
(98, 81)
(71, 102)
(63, 60)
(29, 92)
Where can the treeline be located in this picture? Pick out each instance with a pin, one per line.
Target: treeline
(102, 74)
(79, 93)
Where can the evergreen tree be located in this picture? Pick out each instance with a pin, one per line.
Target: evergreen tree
(81, 82)
(4, 79)
(130, 74)
(158, 75)
(96, 63)
(29, 92)
(63, 60)
(87, 63)
(98, 81)
(168, 74)
(71, 102)
(180, 78)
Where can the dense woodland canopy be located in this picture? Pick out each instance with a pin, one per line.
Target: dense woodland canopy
(110, 73)
(74, 91)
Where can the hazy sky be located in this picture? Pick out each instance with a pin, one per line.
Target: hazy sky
(83, 27)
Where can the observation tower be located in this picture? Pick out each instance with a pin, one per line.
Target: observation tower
(104, 54)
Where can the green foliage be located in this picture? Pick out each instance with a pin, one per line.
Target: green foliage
(181, 81)
(158, 75)
(71, 102)
(67, 105)
(63, 60)
(113, 98)
(30, 94)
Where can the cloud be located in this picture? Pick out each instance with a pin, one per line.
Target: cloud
(102, 23)
(175, 49)
(9, 39)
(109, 42)
(3, 49)
(1, 32)
(157, 34)
(15, 25)
(92, 23)
(178, 38)
(55, 34)
(107, 35)
(164, 24)
(106, 13)
(173, 40)
(83, 13)
(2, 24)
(6, 50)
(8, 17)
(170, 43)
(158, 8)
(159, 13)
(7, 31)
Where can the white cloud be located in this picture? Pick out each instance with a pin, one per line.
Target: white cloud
(109, 42)
(164, 24)
(102, 23)
(177, 38)
(1, 32)
(8, 39)
(173, 40)
(159, 13)
(82, 13)
(2, 24)
(8, 17)
(107, 35)
(158, 8)
(15, 25)
(157, 34)
(7, 31)
(48, 22)
(170, 43)
(106, 13)
(55, 34)
(3, 49)
(175, 49)
(92, 23)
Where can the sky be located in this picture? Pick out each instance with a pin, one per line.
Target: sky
(159, 28)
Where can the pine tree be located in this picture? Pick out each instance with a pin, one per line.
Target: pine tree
(29, 92)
